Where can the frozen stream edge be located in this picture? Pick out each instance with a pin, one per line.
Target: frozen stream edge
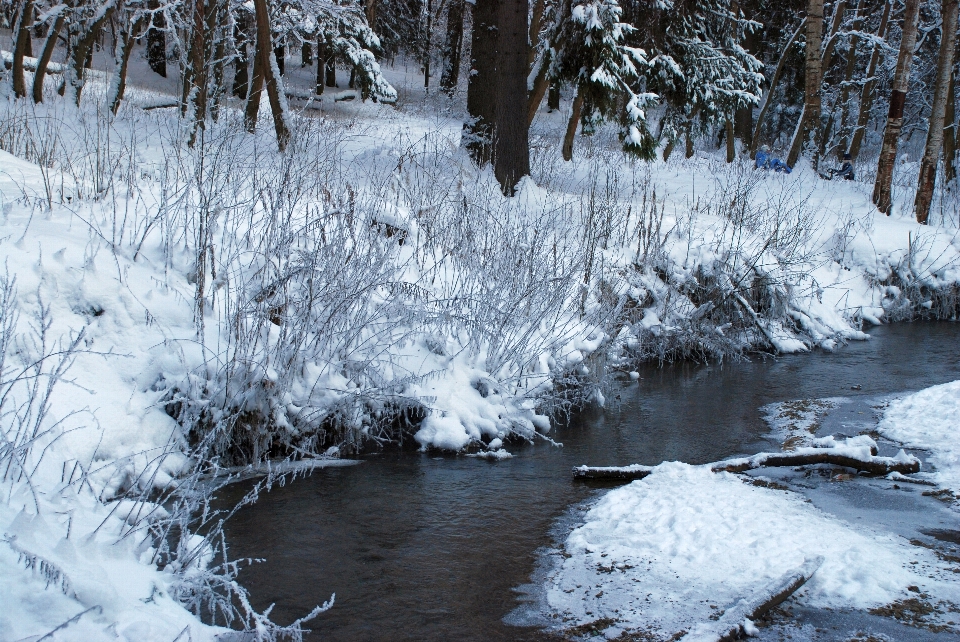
(882, 536)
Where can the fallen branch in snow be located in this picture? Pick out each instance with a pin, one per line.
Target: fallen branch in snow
(29, 64)
(738, 618)
(859, 458)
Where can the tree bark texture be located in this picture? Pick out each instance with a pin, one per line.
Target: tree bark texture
(195, 102)
(270, 73)
(22, 33)
(481, 94)
(849, 68)
(252, 110)
(428, 34)
(321, 62)
(572, 125)
(45, 57)
(812, 77)
(127, 38)
(306, 54)
(867, 93)
(511, 146)
(157, 42)
(83, 52)
(452, 47)
(883, 187)
(931, 153)
(950, 133)
(731, 142)
(241, 62)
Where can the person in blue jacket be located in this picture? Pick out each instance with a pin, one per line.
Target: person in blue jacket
(766, 160)
(846, 169)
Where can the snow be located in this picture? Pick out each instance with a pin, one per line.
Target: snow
(667, 552)
(475, 354)
(929, 419)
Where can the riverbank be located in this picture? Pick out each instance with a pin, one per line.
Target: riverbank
(195, 308)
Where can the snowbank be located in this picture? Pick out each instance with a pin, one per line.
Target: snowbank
(670, 551)
(929, 419)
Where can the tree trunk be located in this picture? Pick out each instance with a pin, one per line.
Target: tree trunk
(157, 42)
(271, 74)
(812, 77)
(540, 84)
(553, 97)
(883, 187)
(45, 57)
(755, 138)
(452, 47)
(252, 110)
(743, 118)
(731, 142)
(331, 71)
(511, 145)
(867, 94)
(306, 54)
(321, 62)
(572, 125)
(481, 99)
(426, 52)
(83, 51)
(241, 62)
(370, 6)
(127, 39)
(851, 66)
(22, 34)
(216, 25)
(931, 153)
(195, 87)
(950, 134)
(280, 53)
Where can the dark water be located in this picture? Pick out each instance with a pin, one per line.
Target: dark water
(419, 547)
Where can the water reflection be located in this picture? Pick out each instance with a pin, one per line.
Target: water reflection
(419, 547)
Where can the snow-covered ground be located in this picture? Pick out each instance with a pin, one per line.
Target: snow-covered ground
(929, 419)
(372, 285)
(669, 553)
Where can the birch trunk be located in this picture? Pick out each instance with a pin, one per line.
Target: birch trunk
(867, 93)
(883, 187)
(950, 134)
(810, 118)
(847, 78)
(931, 154)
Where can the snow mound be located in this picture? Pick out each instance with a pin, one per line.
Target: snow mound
(929, 419)
(668, 552)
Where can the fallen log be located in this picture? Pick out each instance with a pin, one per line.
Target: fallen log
(859, 458)
(738, 618)
(29, 64)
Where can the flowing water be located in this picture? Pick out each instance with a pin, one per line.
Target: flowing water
(425, 547)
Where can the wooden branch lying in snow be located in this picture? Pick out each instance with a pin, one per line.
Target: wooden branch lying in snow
(734, 620)
(859, 458)
(30, 64)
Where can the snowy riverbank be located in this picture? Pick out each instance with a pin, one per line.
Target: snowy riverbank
(671, 552)
(192, 307)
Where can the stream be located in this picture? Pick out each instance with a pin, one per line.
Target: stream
(426, 547)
